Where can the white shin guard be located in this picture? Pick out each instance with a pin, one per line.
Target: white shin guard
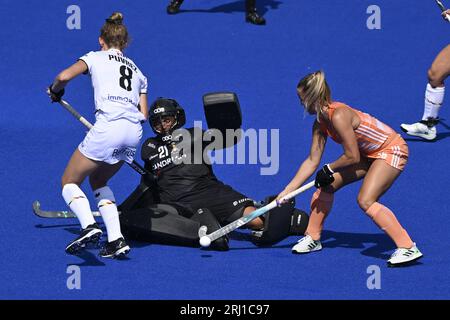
(434, 97)
(78, 203)
(107, 207)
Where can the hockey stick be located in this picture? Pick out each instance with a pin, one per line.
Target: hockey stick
(65, 214)
(55, 214)
(206, 239)
(136, 166)
(441, 6)
(133, 198)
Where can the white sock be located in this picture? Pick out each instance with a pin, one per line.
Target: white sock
(78, 203)
(434, 97)
(107, 206)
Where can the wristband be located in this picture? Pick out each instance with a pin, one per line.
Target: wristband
(327, 169)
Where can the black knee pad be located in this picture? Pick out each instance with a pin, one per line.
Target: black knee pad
(205, 218)
(279, 223)
(159, 224)
(299, 222)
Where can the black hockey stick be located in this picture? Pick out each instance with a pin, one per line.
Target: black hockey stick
(442, 7)
(136, 166)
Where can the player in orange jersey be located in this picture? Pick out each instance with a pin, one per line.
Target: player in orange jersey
(372, 150)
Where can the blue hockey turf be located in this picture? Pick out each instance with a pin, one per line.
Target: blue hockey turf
(208, 47)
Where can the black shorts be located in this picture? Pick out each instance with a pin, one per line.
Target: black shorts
(223, 201)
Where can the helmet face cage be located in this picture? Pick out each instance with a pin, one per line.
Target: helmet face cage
(158, 120)
(162, 108)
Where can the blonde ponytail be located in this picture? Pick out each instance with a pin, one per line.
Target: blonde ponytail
(315, 92)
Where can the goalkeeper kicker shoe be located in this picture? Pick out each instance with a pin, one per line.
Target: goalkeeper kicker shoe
(425, 129)
(91, 234)
(174, 6)
(306, 245)
(402, 256)
(115, 249)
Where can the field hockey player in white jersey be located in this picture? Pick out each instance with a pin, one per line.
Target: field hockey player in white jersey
(434, 93)
(120, 91)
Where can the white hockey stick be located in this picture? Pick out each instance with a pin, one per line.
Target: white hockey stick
(441, 6)
(206, 239)
(55, 214)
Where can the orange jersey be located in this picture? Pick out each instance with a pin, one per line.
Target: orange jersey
(376, 140)
(371, 133)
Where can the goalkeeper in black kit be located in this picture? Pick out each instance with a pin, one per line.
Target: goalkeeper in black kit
(184, 194)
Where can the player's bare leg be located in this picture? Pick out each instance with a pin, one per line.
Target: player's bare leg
(322, 202)
(378, 180)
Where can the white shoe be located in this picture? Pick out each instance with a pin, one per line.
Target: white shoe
(306, 245)
(404, 255)
(420, 129)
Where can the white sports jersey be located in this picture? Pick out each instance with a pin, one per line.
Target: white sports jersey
(117, 83)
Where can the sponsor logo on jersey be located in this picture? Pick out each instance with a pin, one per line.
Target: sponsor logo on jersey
(129, 152)
(167, 138)
(121, 99)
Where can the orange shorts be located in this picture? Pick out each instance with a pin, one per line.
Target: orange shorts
(394, 153)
